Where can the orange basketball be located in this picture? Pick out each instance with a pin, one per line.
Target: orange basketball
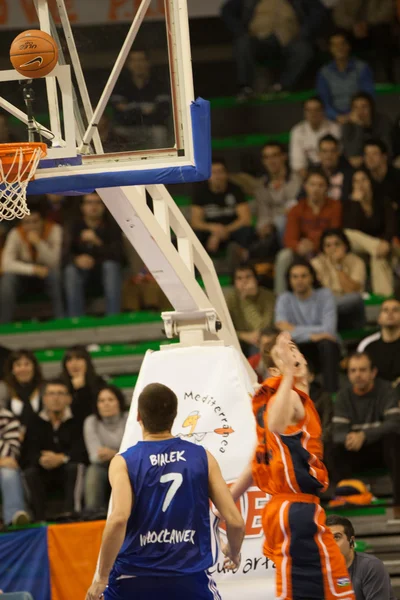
(34, 53)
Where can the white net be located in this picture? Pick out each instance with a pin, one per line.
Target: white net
(15, 175)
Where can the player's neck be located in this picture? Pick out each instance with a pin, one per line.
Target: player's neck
(157, 437)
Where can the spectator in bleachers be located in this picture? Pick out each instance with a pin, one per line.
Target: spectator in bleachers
(56, 452)
(368, 574)
(384, 346)
(305, 224)
(274, 196)
(30, 260)
(308, 313)
(220, 212)
(61, 209)
(386, 177)
(322, 401)
(305, 136)
(103, 433)
(272, 29)
(369, 222)
(335, 167)
(6, 137)
(23, 378)
(12, 493)
(92, 252)
(251, 307)
(370, 24)
(142, 104)
(344, 274)
(339, 80)
(82, 382)
(366, 425)
(259, 361)
(112, 142)
(365, 123)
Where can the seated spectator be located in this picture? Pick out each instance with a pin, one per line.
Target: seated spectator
(305, 136)
(383, 347)
(308, 313)
(142, 104)
(305, 224)
(338, 81)
(103, 433)
(345, 275)
(275, 195)
(61, 209)
(259, 361)
(366, 426)
(369, 222)
(23, 378)
(335, 167)
(265, 30)
(31, 257)
(322, 401)
(12, 493)
(367, 573)
(364, 123)
(82, 381)
(220, 212)
(93, 251)
(370, 24)
(385, 177)
(112, 142)
(251, 308)
(56, 452)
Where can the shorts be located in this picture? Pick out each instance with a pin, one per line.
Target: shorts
(309, 564)
(198, 586)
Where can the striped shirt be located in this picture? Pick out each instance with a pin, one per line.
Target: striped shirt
(10, 434)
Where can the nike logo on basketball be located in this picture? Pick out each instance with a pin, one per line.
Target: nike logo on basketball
(31, 62)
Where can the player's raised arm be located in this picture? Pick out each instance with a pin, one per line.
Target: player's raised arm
(224, 503)
(286, 407)
(114, 532)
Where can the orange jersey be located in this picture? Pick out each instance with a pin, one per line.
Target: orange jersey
(289, 463)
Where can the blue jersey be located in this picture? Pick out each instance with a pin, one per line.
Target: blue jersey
(169, 531)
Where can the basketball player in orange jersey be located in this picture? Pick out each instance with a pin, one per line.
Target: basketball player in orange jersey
(288, 465)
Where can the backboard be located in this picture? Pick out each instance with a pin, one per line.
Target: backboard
(118, 110)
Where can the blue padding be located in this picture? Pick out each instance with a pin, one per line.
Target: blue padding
(24, 563)
(75, 184)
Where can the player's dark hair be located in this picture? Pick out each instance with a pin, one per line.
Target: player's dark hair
(339, 233)
(54, 381)
(157, 408)
(317, 171)
(218, 160)
(115, 392)
(244, 267)
(347, 525)
(365, 354)
(302, 262)
(328, 138)
(378, 143)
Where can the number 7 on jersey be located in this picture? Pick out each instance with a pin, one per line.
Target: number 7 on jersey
(176, 480)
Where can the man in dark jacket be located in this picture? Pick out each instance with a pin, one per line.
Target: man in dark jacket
(92, 252)
(277, 29)
(56, 452)
(366, 426)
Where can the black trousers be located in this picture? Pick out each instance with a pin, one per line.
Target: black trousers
(344, 464)
(67, 478)
(325, 357)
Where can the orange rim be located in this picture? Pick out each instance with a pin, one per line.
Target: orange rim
(8, 151)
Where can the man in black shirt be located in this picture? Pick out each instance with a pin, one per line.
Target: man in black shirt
(366, 426)
(384, 346)
(56, 451)
(220, 212)
(368, 575)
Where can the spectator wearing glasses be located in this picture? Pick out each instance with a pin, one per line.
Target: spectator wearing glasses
(93, 251)
(305, 136)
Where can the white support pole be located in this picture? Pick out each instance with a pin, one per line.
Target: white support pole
(19, 114)
(112, 80)
(80, 78)
(42, 10)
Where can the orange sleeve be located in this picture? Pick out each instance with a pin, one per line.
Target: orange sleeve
(292, 230)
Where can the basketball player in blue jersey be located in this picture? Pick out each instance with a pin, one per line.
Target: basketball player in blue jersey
(159, 540)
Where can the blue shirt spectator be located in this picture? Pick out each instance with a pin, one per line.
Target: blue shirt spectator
(338, 81)
(309, 314)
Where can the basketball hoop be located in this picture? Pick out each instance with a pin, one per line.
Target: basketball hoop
(18, 164)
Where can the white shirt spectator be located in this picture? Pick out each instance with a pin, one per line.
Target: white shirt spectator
(304, 143)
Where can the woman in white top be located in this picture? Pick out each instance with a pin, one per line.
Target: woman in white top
(103, 432)
(23, 377)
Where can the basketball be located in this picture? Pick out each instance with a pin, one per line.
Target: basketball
(34, 53)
